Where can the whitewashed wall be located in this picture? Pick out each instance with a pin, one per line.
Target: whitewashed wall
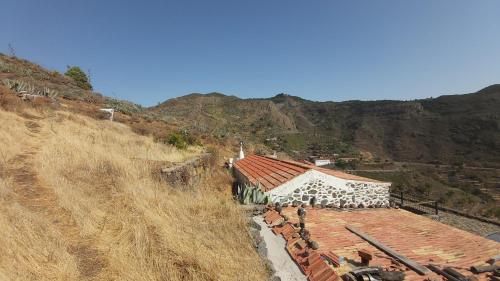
(331, 191)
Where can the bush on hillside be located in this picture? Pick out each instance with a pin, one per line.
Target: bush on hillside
(177, 140)
(347, 165)
(79, 76)
(493, 212)
(182, 140)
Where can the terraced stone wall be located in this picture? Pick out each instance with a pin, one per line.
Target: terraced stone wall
(189, 173)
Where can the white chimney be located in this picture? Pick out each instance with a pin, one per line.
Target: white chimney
(242, 154)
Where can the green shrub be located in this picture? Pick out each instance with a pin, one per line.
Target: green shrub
(79, 76)
(177, 140)
(183, 139)
(192, 140)
(347, 165)
(493, 212)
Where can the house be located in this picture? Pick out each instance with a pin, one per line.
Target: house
(319, 161)
(261, 179)
(322, 162)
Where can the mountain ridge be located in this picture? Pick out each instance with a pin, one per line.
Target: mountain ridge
(448, 128)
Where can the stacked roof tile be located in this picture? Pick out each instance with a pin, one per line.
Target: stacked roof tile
(271, 173)
(419, 238)
(311, 262)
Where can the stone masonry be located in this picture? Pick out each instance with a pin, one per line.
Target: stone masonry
(354, 195)
(332, 192)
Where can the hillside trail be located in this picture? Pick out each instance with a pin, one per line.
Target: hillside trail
(41, 199)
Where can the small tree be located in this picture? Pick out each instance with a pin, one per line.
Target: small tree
(177, 140)
(79, 76)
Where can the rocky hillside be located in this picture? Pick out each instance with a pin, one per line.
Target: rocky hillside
(32, 77)
(448, 129)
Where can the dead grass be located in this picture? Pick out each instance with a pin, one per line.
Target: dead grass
(90, 211)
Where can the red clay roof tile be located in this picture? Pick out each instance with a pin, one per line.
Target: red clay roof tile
(271, 172)
(418, 238)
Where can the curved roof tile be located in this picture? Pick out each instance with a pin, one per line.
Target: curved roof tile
(271, 172)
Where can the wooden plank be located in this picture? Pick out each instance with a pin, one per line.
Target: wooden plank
(455, 273)
(406, 261)
(482, 269)
(438, 270)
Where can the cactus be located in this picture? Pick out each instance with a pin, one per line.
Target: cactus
(20, 86)
(50, 93)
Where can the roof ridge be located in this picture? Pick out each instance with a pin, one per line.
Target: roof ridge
(260, 169)
(271, 172)
(327, 171)
(291, 162)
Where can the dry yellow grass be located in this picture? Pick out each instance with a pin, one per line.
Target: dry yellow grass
(77, 206)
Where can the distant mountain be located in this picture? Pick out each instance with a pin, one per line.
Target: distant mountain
(449, 129)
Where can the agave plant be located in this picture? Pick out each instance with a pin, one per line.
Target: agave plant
(50, 93)
(18, 86)
(8, 83)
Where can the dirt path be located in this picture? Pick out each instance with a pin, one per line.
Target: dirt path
(34, 195)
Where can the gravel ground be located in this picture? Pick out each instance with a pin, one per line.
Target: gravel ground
(467, 224)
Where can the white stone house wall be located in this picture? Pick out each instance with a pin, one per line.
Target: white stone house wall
(331, 191)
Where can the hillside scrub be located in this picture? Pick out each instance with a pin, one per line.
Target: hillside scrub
(81, 79)
(79, 201)
(182, 140)
(426, 183)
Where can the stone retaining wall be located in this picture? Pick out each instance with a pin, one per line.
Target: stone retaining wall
(188, 173)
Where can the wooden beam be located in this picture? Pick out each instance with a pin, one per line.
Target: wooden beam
(406, 261)
(441, 272)
(482, 269)
(455, 273)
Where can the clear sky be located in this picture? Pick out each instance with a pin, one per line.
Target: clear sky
(149, 51)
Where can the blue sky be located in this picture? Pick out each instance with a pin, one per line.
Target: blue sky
(150, 51)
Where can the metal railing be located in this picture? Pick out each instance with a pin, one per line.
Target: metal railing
(424, 205)
(416, 203)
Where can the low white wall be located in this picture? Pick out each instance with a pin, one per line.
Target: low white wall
(331, 191)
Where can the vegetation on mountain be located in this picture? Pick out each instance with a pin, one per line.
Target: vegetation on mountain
(80, 77)
(447, 129)
(452, 186)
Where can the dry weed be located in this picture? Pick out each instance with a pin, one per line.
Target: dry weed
(114, 219)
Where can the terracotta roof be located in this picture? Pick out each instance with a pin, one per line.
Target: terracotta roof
(271, 172)
(416, 237)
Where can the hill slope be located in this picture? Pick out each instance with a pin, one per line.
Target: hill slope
(449, 129)
(80, 199)
(36, 77)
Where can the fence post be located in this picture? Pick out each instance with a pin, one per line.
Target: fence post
(436, 206)
(401, 198)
